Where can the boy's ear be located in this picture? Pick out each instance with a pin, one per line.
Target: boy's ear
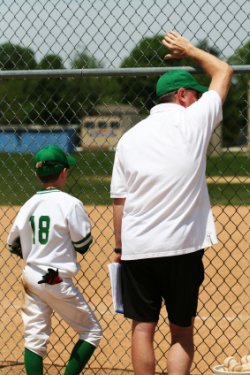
(64, 171)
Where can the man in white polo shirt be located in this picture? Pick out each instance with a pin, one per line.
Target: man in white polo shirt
(162, 214)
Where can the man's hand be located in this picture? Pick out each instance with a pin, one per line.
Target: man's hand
(117, 258)
(177, 44)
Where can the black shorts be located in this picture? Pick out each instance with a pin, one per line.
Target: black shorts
(174, 280)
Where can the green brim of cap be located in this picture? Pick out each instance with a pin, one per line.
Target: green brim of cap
(198, 88)
(71, 161)
(175, 79)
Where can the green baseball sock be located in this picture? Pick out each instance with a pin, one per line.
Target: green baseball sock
(80, 355)
(33, 363)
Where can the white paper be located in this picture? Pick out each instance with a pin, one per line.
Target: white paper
(115, 281)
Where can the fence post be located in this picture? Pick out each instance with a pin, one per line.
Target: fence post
(248, 116)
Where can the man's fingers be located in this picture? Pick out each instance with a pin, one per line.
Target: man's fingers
(172, 35)
(167, 44)
(168, 56)
(177, 45)
(175, 56)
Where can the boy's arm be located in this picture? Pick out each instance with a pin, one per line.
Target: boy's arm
(13, 241)
(83, 245)
(80, 228)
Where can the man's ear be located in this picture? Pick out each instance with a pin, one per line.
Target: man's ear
(181, 96)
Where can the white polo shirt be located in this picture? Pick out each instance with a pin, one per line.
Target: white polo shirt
(159, 168)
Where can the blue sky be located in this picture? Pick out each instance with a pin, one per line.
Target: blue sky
(110, 29)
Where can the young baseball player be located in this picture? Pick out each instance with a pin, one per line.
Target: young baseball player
(47, 232)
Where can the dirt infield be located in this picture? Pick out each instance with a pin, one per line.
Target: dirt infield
(222, 326)
(228, 180)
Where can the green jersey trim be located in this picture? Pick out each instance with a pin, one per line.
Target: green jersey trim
(45, 191)
(83, 245)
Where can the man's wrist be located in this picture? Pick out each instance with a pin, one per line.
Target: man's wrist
(118, 250)
(191, 50)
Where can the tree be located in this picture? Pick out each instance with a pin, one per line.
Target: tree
(15, 95)
(149, 52)
(49, 103)
(235, 110)
(101, 89)
(14, 57)
(83, 60)
(51, 61)
(87, 90)
(241, 55)
(204, 79)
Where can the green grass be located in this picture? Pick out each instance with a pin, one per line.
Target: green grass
(229, 194)
(89, 191)
(229, 164)
(232, 165)
(95, 163)
(90, 179)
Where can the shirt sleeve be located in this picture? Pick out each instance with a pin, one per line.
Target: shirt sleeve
(206, 112)
(80, 228)
(118, 188)
(201, 119)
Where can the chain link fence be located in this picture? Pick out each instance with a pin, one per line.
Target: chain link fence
(79, 74)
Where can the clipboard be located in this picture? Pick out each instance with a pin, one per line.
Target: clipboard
(116, 290)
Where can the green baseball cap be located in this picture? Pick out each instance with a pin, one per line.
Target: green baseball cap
(51, 160)
(174, 79)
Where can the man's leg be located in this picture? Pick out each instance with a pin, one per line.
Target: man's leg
(181, 353)
(143, 357)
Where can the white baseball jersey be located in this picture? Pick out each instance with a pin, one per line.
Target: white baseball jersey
(160, 169)
(52, 225)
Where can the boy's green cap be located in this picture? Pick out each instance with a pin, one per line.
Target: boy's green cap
(51, 160)
(174, 79)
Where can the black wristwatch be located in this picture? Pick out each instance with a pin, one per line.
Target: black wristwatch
(118, 250)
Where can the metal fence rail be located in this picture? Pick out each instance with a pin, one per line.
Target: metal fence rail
(79, 74)
(116, 72)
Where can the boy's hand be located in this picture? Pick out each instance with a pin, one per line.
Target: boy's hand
(16, 248)
(51, 277)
